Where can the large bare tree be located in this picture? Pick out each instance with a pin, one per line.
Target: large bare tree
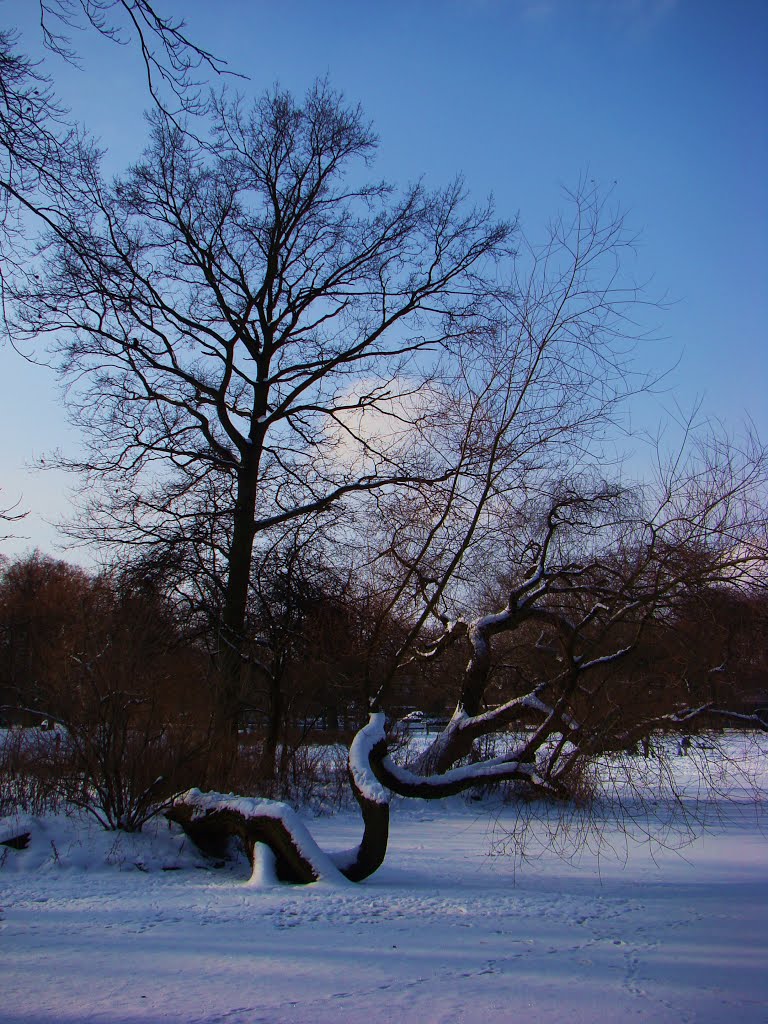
(223, 310)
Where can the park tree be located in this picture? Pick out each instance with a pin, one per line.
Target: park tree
(232, 311)
(108, 661)
(44, 608)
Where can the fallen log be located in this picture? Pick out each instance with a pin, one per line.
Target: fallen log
(19, 842)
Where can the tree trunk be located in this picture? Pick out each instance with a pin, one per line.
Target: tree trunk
(230, 661)
(268, 760)
(453, 743)
(373, 846)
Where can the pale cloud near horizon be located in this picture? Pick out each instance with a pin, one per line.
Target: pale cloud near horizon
(640, 15)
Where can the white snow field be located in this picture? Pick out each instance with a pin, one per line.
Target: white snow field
(93, 929)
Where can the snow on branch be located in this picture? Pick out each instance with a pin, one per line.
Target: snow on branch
(367, 739)
(455, 780)
(757, 718)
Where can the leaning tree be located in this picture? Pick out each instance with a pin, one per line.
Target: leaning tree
(588, 579)
(578, 580)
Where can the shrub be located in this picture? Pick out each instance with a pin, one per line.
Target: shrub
(30, 781)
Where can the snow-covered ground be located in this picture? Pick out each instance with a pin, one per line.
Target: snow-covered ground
(93, 929)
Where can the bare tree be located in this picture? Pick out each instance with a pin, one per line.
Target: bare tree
(224, 310)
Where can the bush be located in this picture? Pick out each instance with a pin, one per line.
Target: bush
(311, 775)
(110, 661)
(30, 780)
(129, 757)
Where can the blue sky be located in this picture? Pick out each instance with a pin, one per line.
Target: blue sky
(666, 98)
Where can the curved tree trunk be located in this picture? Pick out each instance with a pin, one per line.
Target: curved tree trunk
(211, 820)
(372, 799)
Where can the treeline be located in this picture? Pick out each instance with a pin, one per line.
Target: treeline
(129, 670)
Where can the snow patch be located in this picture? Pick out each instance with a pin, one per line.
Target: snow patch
(264, 875)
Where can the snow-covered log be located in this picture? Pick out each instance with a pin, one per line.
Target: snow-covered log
(211, 820)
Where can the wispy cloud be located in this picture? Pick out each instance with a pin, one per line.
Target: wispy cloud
(637, 15)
